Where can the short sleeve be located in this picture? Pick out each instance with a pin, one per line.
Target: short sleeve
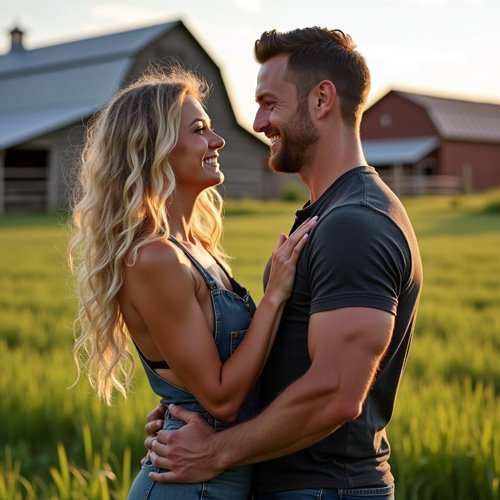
(356, 257)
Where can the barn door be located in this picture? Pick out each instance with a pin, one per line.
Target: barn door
(25, 180)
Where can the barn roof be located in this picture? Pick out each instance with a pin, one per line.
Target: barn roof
(392, 151)
(459, 119)
(44, 89)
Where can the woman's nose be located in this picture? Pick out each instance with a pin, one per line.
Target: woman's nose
(217, 142)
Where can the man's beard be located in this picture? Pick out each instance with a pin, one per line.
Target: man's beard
(297, 142)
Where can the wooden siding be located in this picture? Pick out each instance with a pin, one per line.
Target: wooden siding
(242, 157)
(243, 153)
(459, 164)
(478, 164)
(25, 180)
(394, 117)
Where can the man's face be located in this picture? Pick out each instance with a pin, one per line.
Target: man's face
(285, 120)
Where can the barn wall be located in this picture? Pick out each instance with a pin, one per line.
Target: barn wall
(62, 146)
(243, 154)
(478, 164)
(2, 184)
(243, 159)
(394, 117)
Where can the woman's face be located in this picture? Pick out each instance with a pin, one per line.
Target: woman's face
(194, 158)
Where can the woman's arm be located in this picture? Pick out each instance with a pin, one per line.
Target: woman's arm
(164, 293)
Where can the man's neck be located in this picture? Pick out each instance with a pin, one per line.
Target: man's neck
(331, 160)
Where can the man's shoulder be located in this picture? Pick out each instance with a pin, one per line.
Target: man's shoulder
(365, 197)
(354, 212)
(360, 186)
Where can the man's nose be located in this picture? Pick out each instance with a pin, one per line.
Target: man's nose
(261, 121)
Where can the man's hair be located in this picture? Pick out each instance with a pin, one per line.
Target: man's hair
(317, 54)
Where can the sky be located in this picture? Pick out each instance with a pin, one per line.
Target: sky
(439, 47)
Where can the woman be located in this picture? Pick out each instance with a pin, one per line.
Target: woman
(150, 266)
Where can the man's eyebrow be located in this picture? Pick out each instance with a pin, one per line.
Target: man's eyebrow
(263, 96)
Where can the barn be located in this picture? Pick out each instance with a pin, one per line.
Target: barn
(48, 94)
(423, 144)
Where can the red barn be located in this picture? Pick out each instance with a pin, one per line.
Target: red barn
(425, 144)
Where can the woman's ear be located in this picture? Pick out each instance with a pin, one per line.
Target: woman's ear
(324, 95)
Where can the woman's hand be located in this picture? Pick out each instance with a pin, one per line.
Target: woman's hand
(284, 261)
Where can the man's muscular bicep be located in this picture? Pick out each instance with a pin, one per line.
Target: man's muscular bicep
(346, 346)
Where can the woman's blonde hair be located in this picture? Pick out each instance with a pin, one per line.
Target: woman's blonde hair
(125, 178)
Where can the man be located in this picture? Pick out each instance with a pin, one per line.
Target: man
(329, 386)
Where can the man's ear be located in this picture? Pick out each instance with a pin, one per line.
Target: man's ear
(324, 95)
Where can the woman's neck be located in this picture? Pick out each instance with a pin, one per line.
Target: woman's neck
(180, 218)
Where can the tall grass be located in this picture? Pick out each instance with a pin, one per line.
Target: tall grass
(58, 441)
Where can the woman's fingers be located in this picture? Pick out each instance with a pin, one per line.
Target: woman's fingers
(298, 248)
(289, 245)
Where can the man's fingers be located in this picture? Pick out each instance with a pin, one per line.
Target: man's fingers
(164, 477)
(157, 414)
(182, 414)
(157, 460)
(148, 442)
(145, 459)
(151, 428)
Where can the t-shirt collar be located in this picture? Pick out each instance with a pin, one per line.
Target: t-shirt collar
(310, 209)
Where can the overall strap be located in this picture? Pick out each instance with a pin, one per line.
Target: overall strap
(209, 280)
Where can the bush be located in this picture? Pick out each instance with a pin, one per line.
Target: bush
(293, 192)
(493, 207)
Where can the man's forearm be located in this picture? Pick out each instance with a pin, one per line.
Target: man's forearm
(300, 416)
(330, 393)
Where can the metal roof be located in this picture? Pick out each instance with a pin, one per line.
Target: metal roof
(458, 119)
(393, 151)
(21, 126)
(111, 46)
(48, 88)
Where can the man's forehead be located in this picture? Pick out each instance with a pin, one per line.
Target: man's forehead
(274, 67)
(271, 76)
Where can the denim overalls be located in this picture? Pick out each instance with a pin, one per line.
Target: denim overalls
(233, 312)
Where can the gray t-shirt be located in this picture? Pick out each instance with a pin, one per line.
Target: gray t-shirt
(362, 253)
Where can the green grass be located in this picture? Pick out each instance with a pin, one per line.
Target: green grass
(58, 441)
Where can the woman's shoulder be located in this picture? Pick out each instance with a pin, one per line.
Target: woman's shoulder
(158, 255)
(158, 276)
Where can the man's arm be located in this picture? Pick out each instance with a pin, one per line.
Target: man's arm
(345, 346)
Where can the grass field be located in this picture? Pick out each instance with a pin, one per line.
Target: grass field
(58, 441)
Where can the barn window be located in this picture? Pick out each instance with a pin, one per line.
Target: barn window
(385, 120)
(26, 180)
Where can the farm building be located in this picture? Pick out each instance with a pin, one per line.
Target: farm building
(48, 94)
(424, 144)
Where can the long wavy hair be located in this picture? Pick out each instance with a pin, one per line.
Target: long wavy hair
(125, 179)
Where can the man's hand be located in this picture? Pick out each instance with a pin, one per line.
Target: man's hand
(186, 452)
(154, 423)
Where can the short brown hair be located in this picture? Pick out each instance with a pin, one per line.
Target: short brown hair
(317, 54)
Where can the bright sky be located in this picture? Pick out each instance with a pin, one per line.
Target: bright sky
(443, 47)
